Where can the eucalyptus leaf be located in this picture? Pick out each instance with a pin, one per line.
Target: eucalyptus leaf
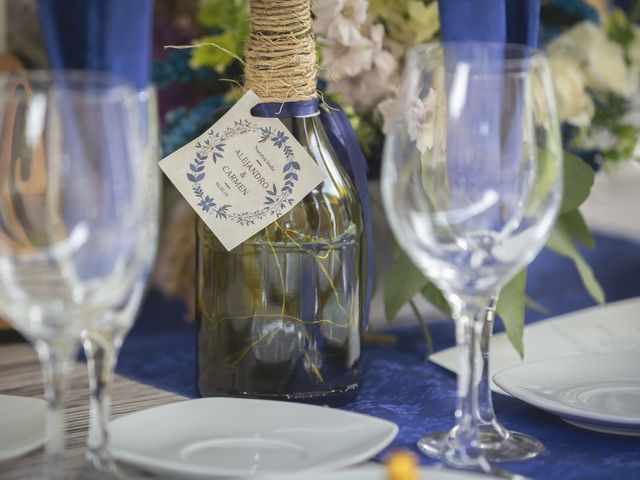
(402, 283)
(531, 304)
(510, 307)
(561, 242)
(423, 326)
(578, 180)
(577, 228)
(434, 296)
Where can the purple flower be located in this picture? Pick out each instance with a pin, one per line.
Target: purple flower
(207, 203)
(279, 139)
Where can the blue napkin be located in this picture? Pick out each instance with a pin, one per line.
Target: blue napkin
(473, 20)
(513, 21)
(108, 35)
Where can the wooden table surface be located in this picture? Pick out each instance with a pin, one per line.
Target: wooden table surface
(20, 374)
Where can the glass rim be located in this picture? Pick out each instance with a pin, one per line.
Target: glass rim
(530, 55)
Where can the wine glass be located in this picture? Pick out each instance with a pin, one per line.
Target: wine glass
(70, 216)
(103, 337)
(471, 183)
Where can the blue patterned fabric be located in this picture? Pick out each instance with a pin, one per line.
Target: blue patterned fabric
(401, 386)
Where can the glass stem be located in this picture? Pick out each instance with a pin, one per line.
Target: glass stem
(463, 451)
(55, 360)
(485, 413)
(101, 354)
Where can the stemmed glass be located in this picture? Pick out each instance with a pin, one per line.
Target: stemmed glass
(497, 443)
(471, 182)
(103, 337)
(70, 214)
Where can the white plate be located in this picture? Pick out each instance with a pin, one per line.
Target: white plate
(609, 328)
(242, 437)
(377, 472)
(598, 392)
(22, 425)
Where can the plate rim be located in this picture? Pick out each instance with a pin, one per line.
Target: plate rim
(27, 447)
(602, 428)
(560, 409)
(158, 464)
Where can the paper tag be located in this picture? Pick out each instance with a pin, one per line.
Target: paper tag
(243, 173)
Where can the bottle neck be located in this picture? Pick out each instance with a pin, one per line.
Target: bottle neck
(309, 132)
(280, 52)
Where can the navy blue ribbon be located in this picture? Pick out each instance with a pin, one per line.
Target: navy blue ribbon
(345, 143)
(303, 108)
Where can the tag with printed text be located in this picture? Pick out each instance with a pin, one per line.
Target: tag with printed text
(243, 173)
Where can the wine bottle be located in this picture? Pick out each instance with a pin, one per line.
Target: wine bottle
(280, 316)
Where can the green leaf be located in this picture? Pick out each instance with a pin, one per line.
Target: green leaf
(423, 20)
(577, 228)
(403, 282)
(619, 29)
(423, 326)
(511, 303)
(535, 306)
(578, 179)
(561, 243)
(223, 14)
(627, 138)
(217, 58)
(434, 296)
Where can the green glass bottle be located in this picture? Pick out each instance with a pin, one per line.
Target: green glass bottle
(280, 316)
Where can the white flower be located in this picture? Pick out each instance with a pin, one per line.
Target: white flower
(421, 121)
(383, 60)
(340, 60)
(601, 59)
(365, 90)
(340, 19)
(573, 103)
(387, 108)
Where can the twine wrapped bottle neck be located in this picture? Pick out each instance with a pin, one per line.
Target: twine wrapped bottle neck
(280, 53)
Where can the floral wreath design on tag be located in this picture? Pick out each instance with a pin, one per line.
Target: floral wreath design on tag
(213, 147)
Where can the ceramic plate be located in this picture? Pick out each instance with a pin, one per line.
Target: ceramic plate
(242, 437)
(598, 392)
(22, 425)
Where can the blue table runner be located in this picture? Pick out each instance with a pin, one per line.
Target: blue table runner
(401, 386)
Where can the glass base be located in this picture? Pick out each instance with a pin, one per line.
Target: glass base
(494, 447)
